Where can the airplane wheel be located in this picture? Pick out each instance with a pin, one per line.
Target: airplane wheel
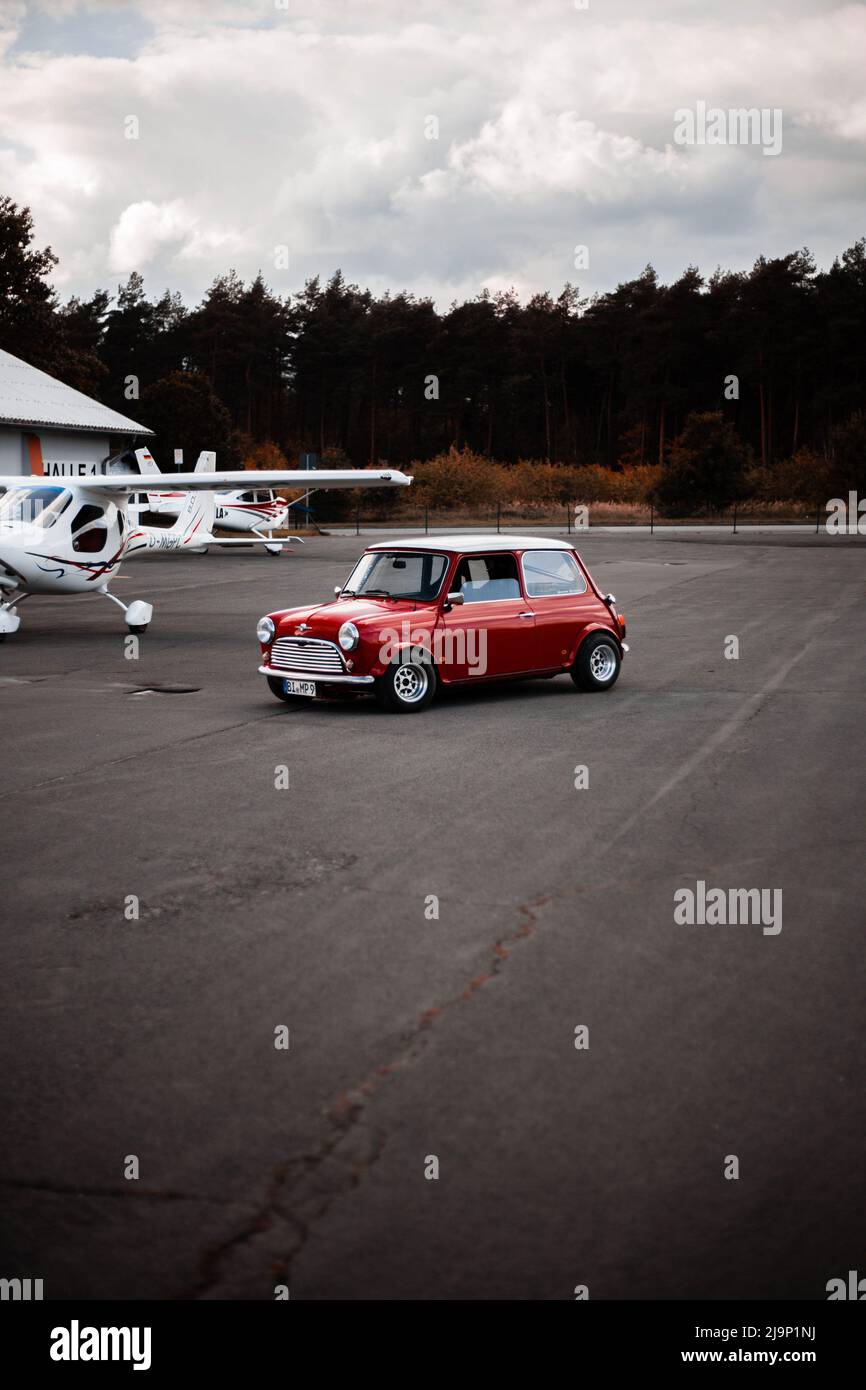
(137, 630)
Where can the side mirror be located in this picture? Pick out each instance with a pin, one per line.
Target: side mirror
(610, 600)
(337, 591)
(454, 600)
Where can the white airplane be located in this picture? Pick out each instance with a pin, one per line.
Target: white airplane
(244, 510)
(70, 535)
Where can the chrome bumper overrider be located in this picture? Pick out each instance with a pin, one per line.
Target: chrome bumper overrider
(319, 676)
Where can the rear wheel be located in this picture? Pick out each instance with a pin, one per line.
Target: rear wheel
(406, 687)
(597, 663)
(277, 687)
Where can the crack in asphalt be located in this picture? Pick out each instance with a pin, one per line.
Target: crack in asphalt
(302, 1189)
(150, 1194)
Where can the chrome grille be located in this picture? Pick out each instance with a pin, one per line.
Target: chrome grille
(311, 654)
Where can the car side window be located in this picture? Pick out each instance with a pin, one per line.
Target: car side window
(486, 578)
(547, 573)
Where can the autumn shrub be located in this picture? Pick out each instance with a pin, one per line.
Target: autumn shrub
(458, 478)
(803, 478)
(266, 455)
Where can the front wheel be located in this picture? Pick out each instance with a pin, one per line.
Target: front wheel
(406, 687)
(597, 663)
(278, 687)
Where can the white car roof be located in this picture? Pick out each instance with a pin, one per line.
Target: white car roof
(472, 542)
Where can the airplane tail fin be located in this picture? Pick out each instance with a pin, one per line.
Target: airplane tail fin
(146, 462)
(195, 520)
(147, 466)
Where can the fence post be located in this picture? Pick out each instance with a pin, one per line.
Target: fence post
(498, 516)
(652, 517)
(568, 517)
(817, 517)
(357, 521)
(426, 520)
(735, 518)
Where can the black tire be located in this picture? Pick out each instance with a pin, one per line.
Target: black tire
(407, 686)
(275, 685)
(596, 666)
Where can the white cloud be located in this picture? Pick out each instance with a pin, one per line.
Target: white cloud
(306, 128)
(527, 151)
(142, 229)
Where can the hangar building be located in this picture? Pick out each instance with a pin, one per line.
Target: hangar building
(47, 428)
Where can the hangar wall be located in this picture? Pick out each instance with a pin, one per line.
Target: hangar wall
(71, 453)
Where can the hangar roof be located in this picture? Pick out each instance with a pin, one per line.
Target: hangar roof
(29, 397)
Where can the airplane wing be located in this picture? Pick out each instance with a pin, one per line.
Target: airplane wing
(308, 479)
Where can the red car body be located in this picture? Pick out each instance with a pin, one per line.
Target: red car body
(472, 608)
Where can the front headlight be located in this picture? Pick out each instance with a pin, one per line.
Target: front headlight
(348, 637)
(265, 629)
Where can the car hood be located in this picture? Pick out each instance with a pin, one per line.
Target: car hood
(326, 619)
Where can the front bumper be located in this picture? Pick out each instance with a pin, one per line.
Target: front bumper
(320, 677)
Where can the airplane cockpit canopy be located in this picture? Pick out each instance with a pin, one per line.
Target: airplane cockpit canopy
(33, 506)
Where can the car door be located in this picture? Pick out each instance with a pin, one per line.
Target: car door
(490, 633)
(560, 598)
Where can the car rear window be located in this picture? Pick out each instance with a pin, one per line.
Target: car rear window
(547, 573)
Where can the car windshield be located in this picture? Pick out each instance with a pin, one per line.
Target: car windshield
(33, 506)
(401, 574)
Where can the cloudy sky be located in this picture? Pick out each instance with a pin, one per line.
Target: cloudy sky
(305, 124)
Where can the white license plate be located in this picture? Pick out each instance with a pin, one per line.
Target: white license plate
(299, 687)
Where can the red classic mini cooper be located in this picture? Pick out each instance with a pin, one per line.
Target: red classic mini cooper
(417, 614)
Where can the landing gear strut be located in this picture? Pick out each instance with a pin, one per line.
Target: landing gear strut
(271, 549)
(138, 613)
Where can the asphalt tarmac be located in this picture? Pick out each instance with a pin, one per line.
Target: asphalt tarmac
(412, 1037)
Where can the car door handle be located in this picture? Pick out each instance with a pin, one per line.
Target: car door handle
(526, 615)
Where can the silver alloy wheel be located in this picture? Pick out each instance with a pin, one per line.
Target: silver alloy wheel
(410, 684)
(602, 662)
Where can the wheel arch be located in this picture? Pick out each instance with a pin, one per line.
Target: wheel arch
(589, 631)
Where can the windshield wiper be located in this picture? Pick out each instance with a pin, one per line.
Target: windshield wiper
(377, 593)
